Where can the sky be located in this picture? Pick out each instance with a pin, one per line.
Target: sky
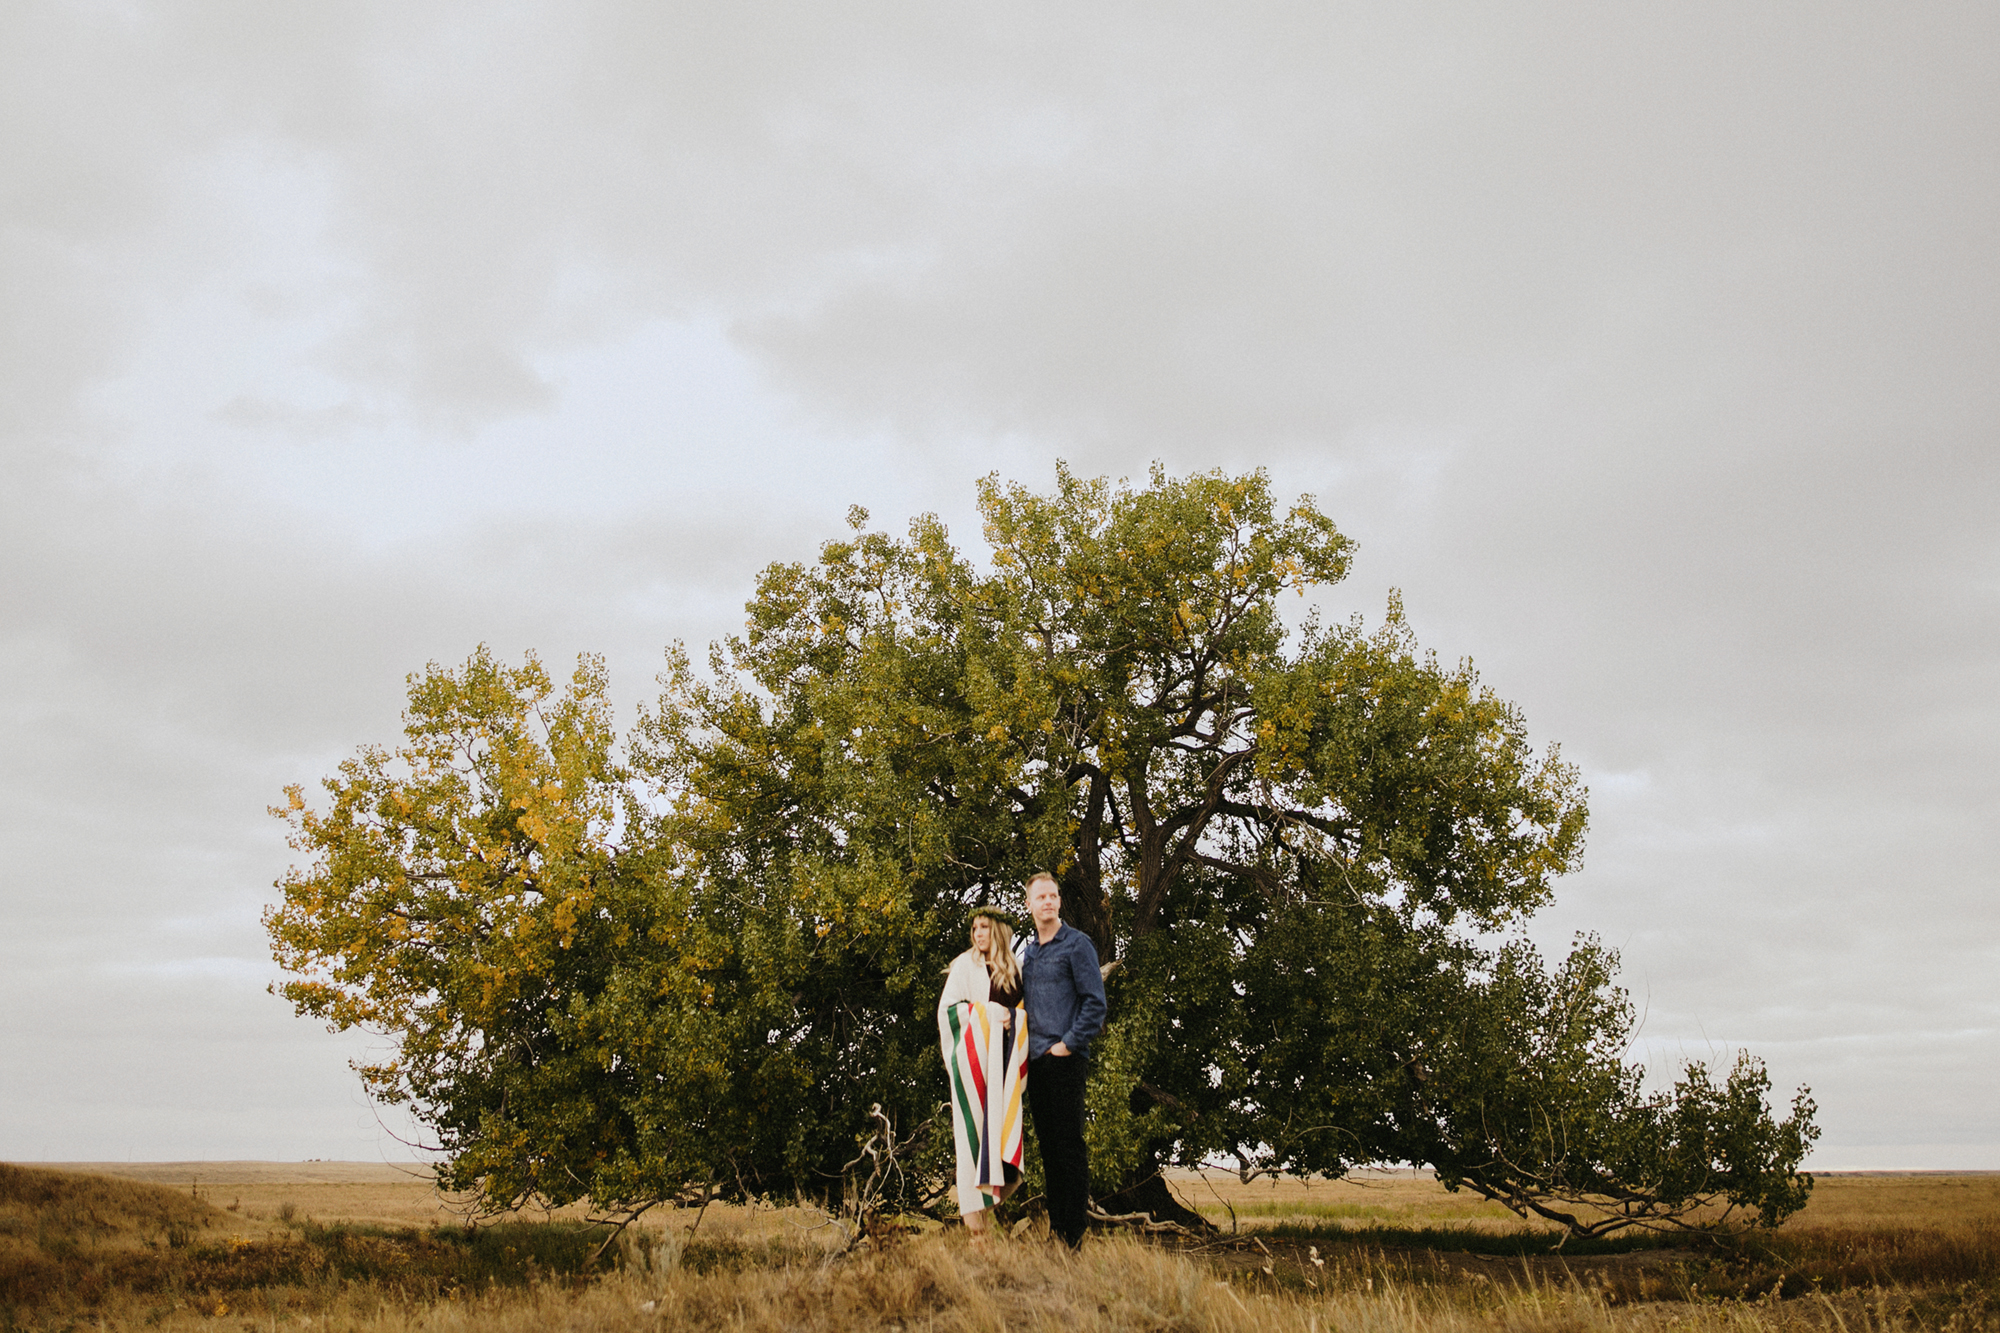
(1650, 351)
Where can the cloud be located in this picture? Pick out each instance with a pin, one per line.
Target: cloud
(1649, 353)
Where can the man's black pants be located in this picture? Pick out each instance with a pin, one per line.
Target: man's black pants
(1055, 1098)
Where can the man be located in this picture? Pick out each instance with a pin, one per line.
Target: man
(1065, 999)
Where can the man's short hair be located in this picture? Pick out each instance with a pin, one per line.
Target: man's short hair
(1037, 878)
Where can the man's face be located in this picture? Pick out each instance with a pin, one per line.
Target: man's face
(1044, 902)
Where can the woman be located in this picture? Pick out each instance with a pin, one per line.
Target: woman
(983, 1032)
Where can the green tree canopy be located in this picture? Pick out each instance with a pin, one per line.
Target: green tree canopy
(694, 960)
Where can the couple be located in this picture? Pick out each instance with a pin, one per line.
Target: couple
(1055, 991)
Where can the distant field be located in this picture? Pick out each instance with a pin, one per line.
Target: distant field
(1414, 1199)
(379, 1194)
(1372, 1198)
(372, 1193)
(1882, 1199)
(216, 1246)
(255, 1195)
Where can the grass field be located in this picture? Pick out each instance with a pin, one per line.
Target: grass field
(260, 1246)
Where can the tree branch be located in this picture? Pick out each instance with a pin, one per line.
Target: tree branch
(1194, 824)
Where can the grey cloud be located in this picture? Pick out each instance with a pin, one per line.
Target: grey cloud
(1648, 352)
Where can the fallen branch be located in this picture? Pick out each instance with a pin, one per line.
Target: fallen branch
(1142, 1221)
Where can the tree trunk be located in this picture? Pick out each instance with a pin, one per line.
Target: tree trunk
(1085, 905)
(1145, 1191)
(1092, 917)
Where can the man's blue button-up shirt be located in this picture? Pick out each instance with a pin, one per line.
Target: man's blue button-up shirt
(1065, 991)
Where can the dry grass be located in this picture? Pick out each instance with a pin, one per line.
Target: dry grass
(44, 1210)
(1363, 1199)
(1117, 1285)
(1925, 1231)
(1873, 1254)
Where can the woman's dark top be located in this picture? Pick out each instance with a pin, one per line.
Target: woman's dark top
(999, 994)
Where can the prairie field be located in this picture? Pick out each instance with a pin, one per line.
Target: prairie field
(271, 1246)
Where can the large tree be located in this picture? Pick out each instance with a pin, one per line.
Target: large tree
(695, 963)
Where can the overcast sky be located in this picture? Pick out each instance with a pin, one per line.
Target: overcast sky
(1651, 354)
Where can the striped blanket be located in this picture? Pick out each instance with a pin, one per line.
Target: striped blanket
(988, 1070)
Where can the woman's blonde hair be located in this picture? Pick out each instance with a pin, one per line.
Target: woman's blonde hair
(1000, 951)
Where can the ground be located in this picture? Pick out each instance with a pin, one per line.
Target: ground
(213, 1245)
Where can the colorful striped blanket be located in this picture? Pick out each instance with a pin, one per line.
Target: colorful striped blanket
(989, 1068)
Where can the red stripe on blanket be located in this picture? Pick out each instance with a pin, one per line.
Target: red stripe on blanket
(978, 1074)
